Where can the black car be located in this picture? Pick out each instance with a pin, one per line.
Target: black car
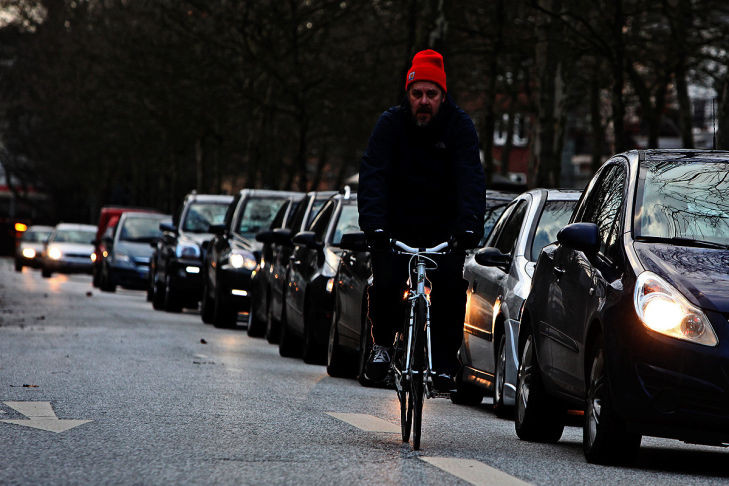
(308, 299)
(281, 250)
(126, 259)
(349, 337)
(627, 316)
(261, 277)
(175, 265)
(233, 254)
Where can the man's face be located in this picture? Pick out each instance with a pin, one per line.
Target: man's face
(425, 100)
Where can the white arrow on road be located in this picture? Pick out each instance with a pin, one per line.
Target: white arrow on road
(41, 416)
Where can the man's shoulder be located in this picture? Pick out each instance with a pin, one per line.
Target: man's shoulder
(396, 112)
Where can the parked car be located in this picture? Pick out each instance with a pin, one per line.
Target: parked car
(177, 259)
(233, 255)
(499, 278)
(282, 248)
(627, 316)
(128, 250)
(108, 218)
(261, 277)
(308, 299)
(68, 249)
(30, 246)
(349, 337)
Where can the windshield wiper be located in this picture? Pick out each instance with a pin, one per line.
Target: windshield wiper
(677, 240)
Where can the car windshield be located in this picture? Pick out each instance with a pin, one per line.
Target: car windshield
(494, 209)
(554, 217)
(201, 215)
(32, 236)
(257, 215)
(348, 223)
(684, 201)
(74, 236)
(142, 230)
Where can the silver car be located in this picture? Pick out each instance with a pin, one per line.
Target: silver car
(499, 278)
(30, 247)
(69, 249)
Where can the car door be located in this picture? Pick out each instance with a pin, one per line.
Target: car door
(578, 285)
(281, 256)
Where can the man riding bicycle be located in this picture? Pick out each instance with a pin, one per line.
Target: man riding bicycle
(421, 182)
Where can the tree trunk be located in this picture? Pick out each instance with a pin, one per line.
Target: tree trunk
(685, 117)
(722, 116)
(509, 144)
(598, 132)
(618, 63)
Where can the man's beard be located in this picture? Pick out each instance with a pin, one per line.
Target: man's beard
(423, 123)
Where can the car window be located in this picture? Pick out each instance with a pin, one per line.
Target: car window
(231, 210)
(510, 232)
(141, 230)
(298, 218)
(315, 207)
(74, 236)
(32, 236)
(277, 221)
(499, 226)
(603, 206)
(201, 215)
(554, 217)
(490, 218)
(348, 222)
(257, 215)
(321, 221)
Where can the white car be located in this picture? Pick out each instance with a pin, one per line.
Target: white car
(30, 247)
(69, 249)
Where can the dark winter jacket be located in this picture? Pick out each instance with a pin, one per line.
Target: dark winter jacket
(422, 185)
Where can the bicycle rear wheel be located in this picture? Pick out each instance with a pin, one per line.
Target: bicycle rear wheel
(419, 369)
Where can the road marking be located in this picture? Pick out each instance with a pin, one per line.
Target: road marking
(41, 416)
(474, 472)
(368, 423)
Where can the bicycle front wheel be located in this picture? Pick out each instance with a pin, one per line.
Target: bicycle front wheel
(406, 414)
(419, 368)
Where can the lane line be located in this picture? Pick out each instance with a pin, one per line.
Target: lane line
(33, 409)
(368, 423)
(474, 472)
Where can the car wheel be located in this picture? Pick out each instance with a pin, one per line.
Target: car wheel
(207, 306)
(158, 297)
(150, 288)
(105, 284)
(96, 276)
(171, 303)
(337, 363)
(539, 418)
(500, 380)
(256, 326)
(18, 266)
(365, 347)
(605, 438)
(225, 315)
(46, 272)
(288, 344)
(273, 327)
(311, 352)
(466, 393)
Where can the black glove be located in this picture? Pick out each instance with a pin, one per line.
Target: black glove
(462, 241)
(378, 240)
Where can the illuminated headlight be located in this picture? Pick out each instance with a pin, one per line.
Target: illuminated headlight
(330, 285)
(54, 253)
(93, 257)
(192, 269)
(263, 262)
(242, 260)
(663, 309)
(186, 250)
(28, 252)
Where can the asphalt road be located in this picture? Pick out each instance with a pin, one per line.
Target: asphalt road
(164, 408)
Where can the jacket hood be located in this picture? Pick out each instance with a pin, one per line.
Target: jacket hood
(700, 274)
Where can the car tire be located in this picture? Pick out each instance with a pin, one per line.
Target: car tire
(338, 365)
(311, 351)
(256, 327)
(605, 437)
(46, 272)
(95, 277)
(158, 297)
(467, 393)
(288, 344)
(225, 315)
(18, 266)
(499, 408)
(105, 284)
(365, 347)
(273, 327)
(171, 304)
(207, 305)
(538, 418)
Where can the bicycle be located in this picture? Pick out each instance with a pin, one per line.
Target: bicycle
(412, 364)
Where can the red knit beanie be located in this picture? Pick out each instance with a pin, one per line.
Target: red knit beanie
(427, 66)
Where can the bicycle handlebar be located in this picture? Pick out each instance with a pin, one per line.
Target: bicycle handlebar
(410, 249)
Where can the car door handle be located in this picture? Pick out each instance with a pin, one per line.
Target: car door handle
(559, 271)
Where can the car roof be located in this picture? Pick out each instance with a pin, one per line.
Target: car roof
(271, 193)
(563, 194)
(226, 198)
(145, 215)
(39, 227)
(76, 226)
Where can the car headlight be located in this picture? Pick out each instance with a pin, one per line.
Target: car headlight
(55, 253)
(242, 259)
(665, 310)
(187, 250)
(122, 257)
(29, 253)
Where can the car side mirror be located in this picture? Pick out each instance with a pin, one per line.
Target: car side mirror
(168, 228)
(583, 237)
(217, 229)
(492, 257)
(308, 239)
(354, 241)
(282, 236)
(265, 237)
